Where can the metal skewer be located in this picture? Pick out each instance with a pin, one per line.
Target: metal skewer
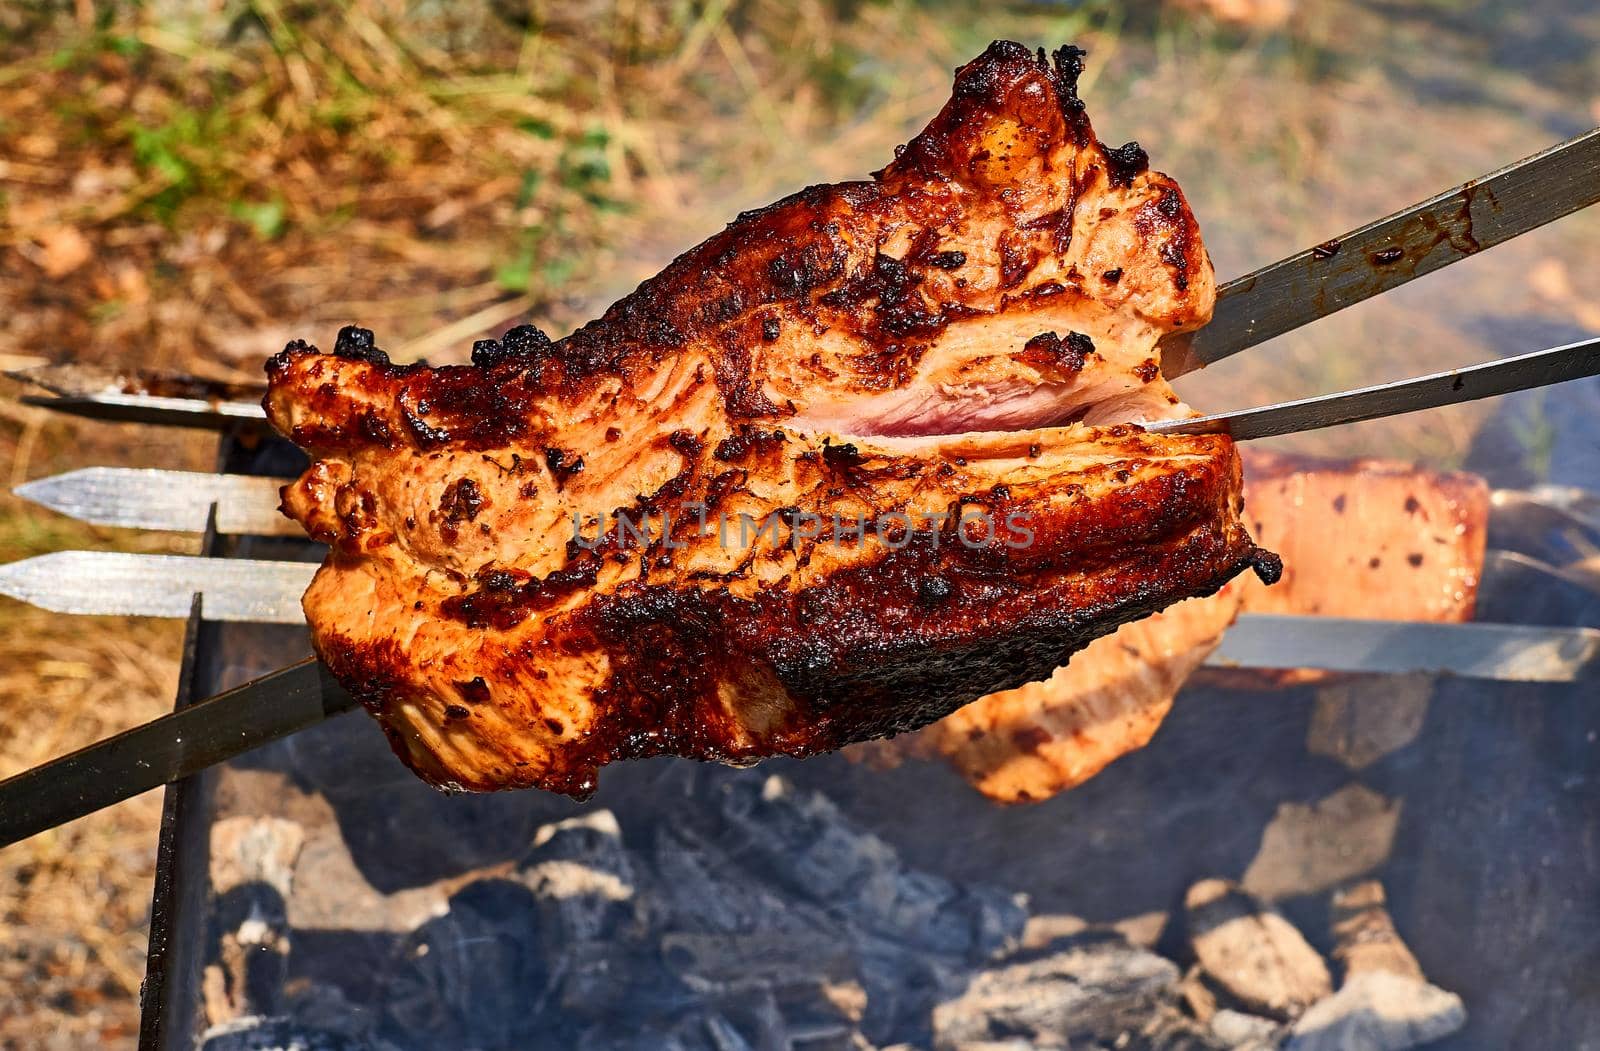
(180, 501)
(1542, 368)
(1385, 254)
(169, 748)
(1251, 309)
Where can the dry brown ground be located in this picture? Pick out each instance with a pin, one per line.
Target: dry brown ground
(189, 189)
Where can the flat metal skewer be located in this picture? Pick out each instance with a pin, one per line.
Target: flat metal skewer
(1398, 248)
(304, 694)
(1542, 368)
(169, 748)
(250, 591)
(1277, 298)
(178, 501)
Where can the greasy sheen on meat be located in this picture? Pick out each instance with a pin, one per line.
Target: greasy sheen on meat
(647, 538)
(1359, 538)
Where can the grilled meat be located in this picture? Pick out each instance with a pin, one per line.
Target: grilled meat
(1361, 538)
(1367, 538)
(726, 519)
(1029, 743)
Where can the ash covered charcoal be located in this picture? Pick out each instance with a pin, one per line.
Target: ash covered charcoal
(474, 977)
(736, 912)
(252, 864)
(1384, 1003)
(1246, 1032)
(806, 871)
(257, 1033)
(1378, 1011)
(1249, 955)
(1085, 991)
(801, 842)
(583, 879)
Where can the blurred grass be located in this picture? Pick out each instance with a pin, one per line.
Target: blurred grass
(190, 184)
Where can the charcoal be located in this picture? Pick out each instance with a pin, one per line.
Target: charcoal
(749, 1023)
(763, 884)
(719, 960)
(802, 842)
(1246, 1032)
(903, 988)
(255, 850)
(1360, 722)
(741, 914)
(249, 927)
(257, 1033)
(1087, 990)
(603, 981)
(1378, 1011)
(472, 977)
(580, 873)
(701, 885)
(1251, 956)
(1385, 1003)
(1198, 996)
(824, 1017)
(252, 864)
(1364, 934)
(1316, 846)
(332, 893)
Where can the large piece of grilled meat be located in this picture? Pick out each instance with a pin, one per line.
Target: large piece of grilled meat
(1007, 275)
(1360, 538)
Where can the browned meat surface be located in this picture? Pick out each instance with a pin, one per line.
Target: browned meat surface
(1360, 538)
(1006, 275)
(1045, 737)
(1367, 538)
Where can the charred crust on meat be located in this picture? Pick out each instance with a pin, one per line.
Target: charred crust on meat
(685, 443)
(747, 440)
(461, 501)
(1068, 67)
(521, 344)
(1048, 350)
(931, 591)
(1268, 567)
(1125, 163)
(845, 291)
(842, 457)
(813, 255)
(504, 599)
(474, 690)
(907, 636)
(562, 464)
(1173, 255)
(357, 344)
